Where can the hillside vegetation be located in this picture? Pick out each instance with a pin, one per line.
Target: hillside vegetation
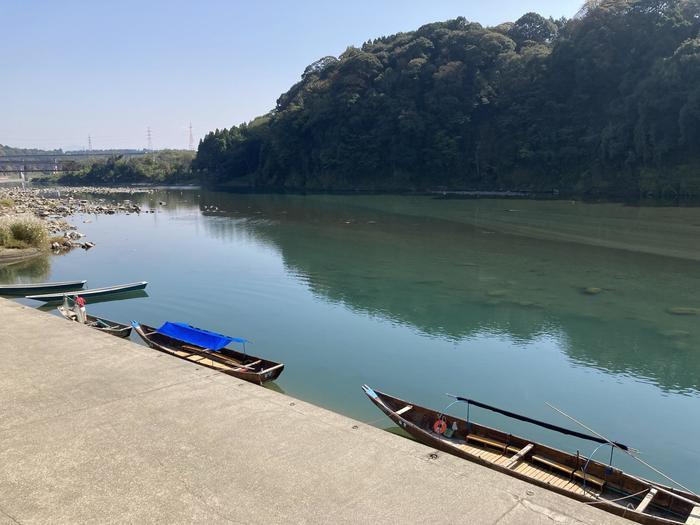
(606, 103)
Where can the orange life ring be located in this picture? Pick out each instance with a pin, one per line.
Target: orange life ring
(440, 426)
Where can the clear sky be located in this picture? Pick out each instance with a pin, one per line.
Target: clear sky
(69, 69)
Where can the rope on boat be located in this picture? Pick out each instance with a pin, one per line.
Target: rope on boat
(590, 456)
(447, 407)
(616, 499)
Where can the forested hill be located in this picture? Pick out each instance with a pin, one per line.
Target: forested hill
(607, 102)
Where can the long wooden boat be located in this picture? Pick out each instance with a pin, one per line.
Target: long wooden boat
(227, 360)
(572, 475)
(95, 292)
(33, 288)
(99, 323)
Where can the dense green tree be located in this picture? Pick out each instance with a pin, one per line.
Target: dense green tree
(608, 102)
(533, 28)
(164, 167)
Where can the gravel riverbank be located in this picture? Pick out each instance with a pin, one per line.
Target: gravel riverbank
(56, 204)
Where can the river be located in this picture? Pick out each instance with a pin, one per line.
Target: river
(591, 307)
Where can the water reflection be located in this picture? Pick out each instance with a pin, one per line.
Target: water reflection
(414, 298)
(33, 270)
(609, 309)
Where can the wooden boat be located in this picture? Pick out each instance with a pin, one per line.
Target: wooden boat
(99, 323)
(33, 288)
(95, 292)
(227, 360)
(572, 475)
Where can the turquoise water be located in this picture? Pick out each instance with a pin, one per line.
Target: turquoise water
(419, 297)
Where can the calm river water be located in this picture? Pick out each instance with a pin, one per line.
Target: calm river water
(513, 303)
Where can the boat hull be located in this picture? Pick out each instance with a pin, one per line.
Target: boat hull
(87, 294)
(437, 441)
(112, 328)
(220, 360)
(40, 288)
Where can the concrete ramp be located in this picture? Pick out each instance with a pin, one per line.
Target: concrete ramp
(100, 430)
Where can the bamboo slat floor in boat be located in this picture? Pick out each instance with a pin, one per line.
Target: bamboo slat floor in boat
(539, 475)
(523, 468)
(560, 482)
(201, 360)
(543, 476)
(198, 358)
(534, 472)
(502, 460)
(480, 453)
(208, 362)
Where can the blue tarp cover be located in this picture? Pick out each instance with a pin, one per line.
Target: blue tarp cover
(197, 336)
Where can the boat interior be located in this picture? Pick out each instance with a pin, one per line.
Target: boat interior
(561, 471)
(222, 360)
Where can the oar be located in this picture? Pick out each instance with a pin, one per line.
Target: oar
(641, 480)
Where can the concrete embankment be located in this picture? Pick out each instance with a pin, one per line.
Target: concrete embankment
(97, 429)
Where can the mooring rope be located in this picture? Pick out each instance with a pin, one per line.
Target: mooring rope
(616, 499)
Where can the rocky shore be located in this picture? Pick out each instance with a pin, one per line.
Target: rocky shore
(53, 205)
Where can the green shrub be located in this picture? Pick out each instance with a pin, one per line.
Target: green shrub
(6, 203)
(22, 232)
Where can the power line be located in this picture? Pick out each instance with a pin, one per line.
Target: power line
(150, 138)
(191, 142)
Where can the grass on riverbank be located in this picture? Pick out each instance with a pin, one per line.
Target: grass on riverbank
(22, 232)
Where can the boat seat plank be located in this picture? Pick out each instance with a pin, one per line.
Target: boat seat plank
(588, 478)
(404, 410)
(647, 499)
(694, 517)
(519, 455)
(487, 441)
(569, 471)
